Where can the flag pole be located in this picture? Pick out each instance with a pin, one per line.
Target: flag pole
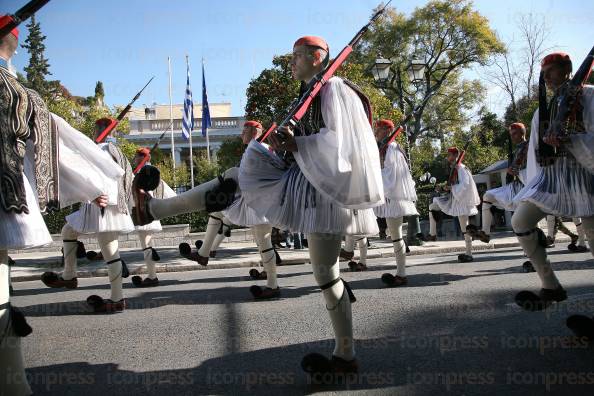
(207, 138)
(171, 120)
(190, 137)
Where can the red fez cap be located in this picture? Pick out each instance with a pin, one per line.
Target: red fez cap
(313, 41)
(252, 123)
(103, 121)
(385, 123)
(555, 57)
(5, 20)
(145, 151)
(518, 125)
(453, 150)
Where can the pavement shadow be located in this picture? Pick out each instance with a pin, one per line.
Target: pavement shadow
(485, 349)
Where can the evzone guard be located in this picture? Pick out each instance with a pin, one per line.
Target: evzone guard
(240, 214)
(460, 200)
(106, 224)
(561, 182)
(324, 182)
(502, 197)
(45, 164)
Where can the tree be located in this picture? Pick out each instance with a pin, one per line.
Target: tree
(451, 37)
(271, 93)
(230, 153)
(515, 78)
(38, 67)
(99, 94)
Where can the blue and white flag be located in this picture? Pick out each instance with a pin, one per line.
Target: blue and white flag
(188, 121)
(205, 110)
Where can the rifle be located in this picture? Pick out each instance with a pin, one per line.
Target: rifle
(458, 162)
(22, 15)
(299, 106)
(567, 100)
(510, 159)
(121, 116)
(146, 158)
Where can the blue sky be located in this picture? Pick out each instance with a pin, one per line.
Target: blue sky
(125, 42)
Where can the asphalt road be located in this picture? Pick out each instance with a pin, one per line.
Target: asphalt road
(453, 330)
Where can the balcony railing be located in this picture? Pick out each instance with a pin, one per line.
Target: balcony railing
(148, 126)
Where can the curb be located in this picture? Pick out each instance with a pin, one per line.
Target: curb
(381, 253)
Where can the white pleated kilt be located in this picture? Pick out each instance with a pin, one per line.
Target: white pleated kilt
(285, 197)
(448, 205)
(394, 208)
(88, 220)
(22, 231)
(239, 213)
(503, 197)
(565, 188)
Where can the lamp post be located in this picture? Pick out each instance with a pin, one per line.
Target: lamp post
(416, 74)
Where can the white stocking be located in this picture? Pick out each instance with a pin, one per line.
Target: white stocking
(215, 220)
(191, 201)
(524, 222)
(487, 216)
(551, 226)
(12, 369)
(69, 245)
(220, 237)
(324, 250)
(432, 222)
(145, 238)
(579, 228)
(463, 220)
(262, 233)
(362, 242)
(395, 226)
(108, 242)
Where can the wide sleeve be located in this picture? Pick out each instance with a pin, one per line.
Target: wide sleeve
(581, 145)
(342, 160)
(532, 165)
(465, 190)
(85, 171)
(398, 182)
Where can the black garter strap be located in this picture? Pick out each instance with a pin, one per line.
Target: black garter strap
(542, 239)
(146, 248)
(348, 289)
(525, 233)
(578, 225)
(267, 250)
(487, 202)
(114, 261)
(396, 240)
(69, 240)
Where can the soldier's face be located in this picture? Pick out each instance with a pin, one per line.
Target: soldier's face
(248, 133)
(555, 75)
(303, 63)
(516, 135)
(452, 157)
(380, 132)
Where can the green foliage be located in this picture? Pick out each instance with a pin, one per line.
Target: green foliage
(230, 153)
(271, 93)
(203, 170)
(196, 220)
(38, 67)
(450, 37)
(179, 177)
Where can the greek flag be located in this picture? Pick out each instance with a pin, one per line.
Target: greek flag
(188, 121)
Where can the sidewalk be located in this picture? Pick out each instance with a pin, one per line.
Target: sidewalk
(29, 266)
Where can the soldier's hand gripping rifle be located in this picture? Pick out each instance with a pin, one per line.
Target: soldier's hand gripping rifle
(300, 105)
(22, 15)
(453, 177)
(146, 158)
(567, 103)
(121, 116)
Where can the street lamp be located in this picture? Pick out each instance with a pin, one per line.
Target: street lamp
(416, 73)
(381, 71)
